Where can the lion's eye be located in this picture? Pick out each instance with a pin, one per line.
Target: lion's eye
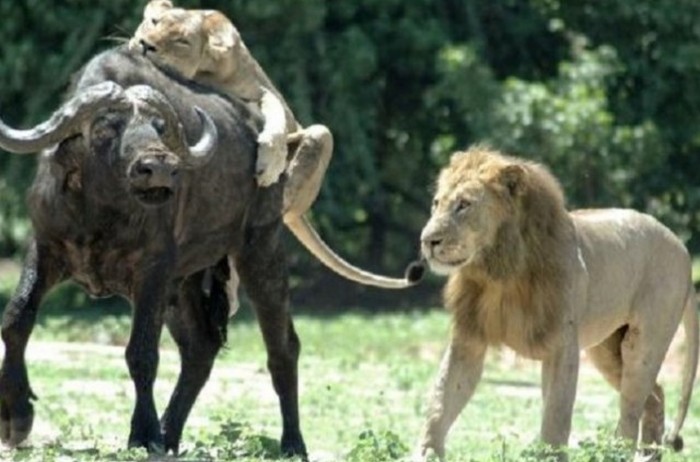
(435, 203)
(182, 42)
(462, 205)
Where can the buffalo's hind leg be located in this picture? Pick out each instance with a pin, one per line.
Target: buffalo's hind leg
(263, 270)
(39, 274)
(197, 321)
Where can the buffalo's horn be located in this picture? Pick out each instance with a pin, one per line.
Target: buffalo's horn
(64, 122)
(202, 151)
(145, 96)
(174, 136)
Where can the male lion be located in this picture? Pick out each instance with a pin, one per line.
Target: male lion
(525, 273)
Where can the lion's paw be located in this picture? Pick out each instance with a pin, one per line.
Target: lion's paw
(272, 159)
(426, 454)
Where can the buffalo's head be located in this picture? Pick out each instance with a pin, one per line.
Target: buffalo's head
(132, 136)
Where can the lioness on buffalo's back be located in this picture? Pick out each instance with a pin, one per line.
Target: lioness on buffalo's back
(527, 274)
(204, 46)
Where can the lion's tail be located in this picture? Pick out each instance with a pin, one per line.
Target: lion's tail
(307, 235)
(690, 326)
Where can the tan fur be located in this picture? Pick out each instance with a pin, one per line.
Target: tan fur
(510, 294)
(205, 46)
(525, 273)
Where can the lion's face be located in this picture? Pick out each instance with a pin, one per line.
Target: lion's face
(171, 37)
(460, 225)
(469, 208)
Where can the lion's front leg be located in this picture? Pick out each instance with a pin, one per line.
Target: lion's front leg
(272, 140)
(559, 379)
(460, 372)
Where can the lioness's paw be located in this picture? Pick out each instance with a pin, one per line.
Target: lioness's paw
(272, 159)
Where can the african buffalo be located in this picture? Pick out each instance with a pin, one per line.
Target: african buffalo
(124, 204)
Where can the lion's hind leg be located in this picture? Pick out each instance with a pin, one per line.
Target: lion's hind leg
(306, 169)
(640, 359)
(607, 357)
(653, 418)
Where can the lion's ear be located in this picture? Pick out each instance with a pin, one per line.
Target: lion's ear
(155, 8)
(221, 34)
(512, 177)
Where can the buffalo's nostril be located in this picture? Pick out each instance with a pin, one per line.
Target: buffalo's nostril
(143, 170)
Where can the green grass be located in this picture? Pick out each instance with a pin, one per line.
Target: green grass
(363, 379)
(363, 383)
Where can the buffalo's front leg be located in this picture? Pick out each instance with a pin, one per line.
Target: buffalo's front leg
(263, 271)
(142, 353)
(197, 321)
(39, 273)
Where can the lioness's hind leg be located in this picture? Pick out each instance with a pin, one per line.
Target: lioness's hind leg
(306, 169)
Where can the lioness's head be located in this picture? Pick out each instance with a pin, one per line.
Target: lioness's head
(475, 211)
(186, 41)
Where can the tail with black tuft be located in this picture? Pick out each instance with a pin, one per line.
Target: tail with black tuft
(415, 271)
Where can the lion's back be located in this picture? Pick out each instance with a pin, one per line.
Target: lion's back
(628, 256)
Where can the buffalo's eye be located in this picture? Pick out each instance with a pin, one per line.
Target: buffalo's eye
(105, 128)
(158, 125)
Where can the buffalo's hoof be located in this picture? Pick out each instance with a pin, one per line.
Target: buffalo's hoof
(293, 447)
(16, 426)
(153, 447)
(152, 442)
(172, 447)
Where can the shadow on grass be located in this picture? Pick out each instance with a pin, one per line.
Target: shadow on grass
(67, 300)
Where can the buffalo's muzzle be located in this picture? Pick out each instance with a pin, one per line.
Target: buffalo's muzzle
(153, 178)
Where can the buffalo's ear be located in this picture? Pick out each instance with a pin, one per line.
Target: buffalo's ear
(512, 178)
(66, 162)
(221, 35)
(155, 8)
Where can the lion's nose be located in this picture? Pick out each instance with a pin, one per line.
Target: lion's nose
(147, 47)
(431, 239)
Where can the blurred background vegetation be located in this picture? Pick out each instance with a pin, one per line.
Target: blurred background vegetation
(606, 92)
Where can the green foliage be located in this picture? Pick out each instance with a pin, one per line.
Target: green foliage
(235, 441)
(567, 124)
(380, 447)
